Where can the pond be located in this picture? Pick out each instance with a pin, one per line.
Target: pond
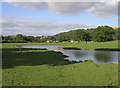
(81, 55)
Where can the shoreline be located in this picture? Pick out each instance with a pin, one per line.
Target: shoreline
(98, 49)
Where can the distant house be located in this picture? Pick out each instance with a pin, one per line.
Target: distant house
(56, 41)
(65, 41)
(53, 41)
(72, 41)
(75, 41)
(49, 41)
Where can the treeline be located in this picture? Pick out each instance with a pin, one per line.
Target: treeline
(99, 34)
(19, 38)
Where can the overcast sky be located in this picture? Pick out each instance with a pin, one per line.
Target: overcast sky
(49, 18)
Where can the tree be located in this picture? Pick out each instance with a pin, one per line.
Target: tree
(86, 36)
(78, 35)
(104, 33)
(19, 37)
(29, 38)
(50, 38)
(99, 34)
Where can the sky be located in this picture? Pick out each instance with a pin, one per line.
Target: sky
(50, 18)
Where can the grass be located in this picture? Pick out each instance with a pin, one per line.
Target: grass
(39, 67)
(96, 45)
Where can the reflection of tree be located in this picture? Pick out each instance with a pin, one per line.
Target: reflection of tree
(97, 56)
(78, 54)
(73, 54)
(103, 57)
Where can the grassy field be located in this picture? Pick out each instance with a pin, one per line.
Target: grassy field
(38, 67)
(97, 45)
(89, 45)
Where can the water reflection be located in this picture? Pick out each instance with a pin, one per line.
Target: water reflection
(105, 56)
(77, 55)
(81, 55)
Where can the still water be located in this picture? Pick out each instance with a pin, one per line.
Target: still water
(81, 55)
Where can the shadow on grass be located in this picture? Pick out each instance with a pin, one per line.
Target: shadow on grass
(11, 57)
(108, 49)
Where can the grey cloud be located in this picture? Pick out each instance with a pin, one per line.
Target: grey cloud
(25, 18)
(98, 9)
(69, 8)
(37, 28)
(117, 18)
(31, 5)
(104, 9)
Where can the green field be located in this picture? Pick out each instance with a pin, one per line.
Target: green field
(97, 45)
(89, 45)
(38, 67)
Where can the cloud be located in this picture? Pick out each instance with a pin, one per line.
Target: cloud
(30, 5)
(69, 8)
(98, 9)
(38, 28)
(117, 18)
(104, 9)
(25, 17)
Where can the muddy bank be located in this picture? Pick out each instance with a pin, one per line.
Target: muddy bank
(100, 49)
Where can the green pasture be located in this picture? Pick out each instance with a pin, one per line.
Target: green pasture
(40, 67)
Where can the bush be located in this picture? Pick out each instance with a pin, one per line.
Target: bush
(88, 61)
